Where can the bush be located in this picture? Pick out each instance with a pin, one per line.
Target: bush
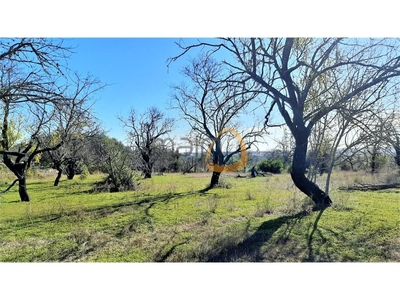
(84, 173)
(273, 166)
(121, 180)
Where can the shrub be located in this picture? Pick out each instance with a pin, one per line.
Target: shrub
(272, 166)
(121, 180)
(84, 173)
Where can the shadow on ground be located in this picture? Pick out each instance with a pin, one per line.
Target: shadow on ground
(252, 248)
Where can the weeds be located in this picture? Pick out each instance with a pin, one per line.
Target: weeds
(343, 202)
(223, 183)
(265, 208)
(296, 205)
(249, 196)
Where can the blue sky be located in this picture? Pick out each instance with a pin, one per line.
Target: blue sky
(137, 75)
(135, 70)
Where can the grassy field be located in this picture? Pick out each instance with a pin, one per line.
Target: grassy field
(169, 219)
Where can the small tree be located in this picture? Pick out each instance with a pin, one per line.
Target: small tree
(143, 132)
(215, 110)
(76, 123)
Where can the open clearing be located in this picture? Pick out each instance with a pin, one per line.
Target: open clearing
(168, 218)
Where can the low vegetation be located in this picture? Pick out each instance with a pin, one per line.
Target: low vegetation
(171, 218)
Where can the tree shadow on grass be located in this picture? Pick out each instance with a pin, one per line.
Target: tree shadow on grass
(147, 201)
(314, 230)
(249, 250)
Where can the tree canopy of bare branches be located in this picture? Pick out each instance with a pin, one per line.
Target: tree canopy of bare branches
(307, 78)
(144, 132)
(38, 95)
(215, 108)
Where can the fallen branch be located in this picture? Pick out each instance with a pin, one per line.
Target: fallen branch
(240, 176)
(370, 187)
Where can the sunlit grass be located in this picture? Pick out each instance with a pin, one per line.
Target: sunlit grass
(171, 218)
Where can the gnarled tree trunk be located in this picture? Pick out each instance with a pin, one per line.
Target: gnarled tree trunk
(57, 166)
(319, 197)
(148, 165)
(23, 193)
(57, 180)
(19, 169)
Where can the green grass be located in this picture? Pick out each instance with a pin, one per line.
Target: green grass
(168, 218)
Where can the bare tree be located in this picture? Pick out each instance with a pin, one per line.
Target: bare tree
(350, 130)
(144, 132)
(75, 122)
(215, 110)
(33, 84)
(298, 74)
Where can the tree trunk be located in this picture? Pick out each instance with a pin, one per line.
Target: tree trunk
(397, 156)
(373, 162)
(218, 161)
(147, 170)
(70, 170)
(214, 179)
(254, 172)
(328, 179)
(23, 193)
(309, 188)
(57, 180)
(148, 166)
(19, 170)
